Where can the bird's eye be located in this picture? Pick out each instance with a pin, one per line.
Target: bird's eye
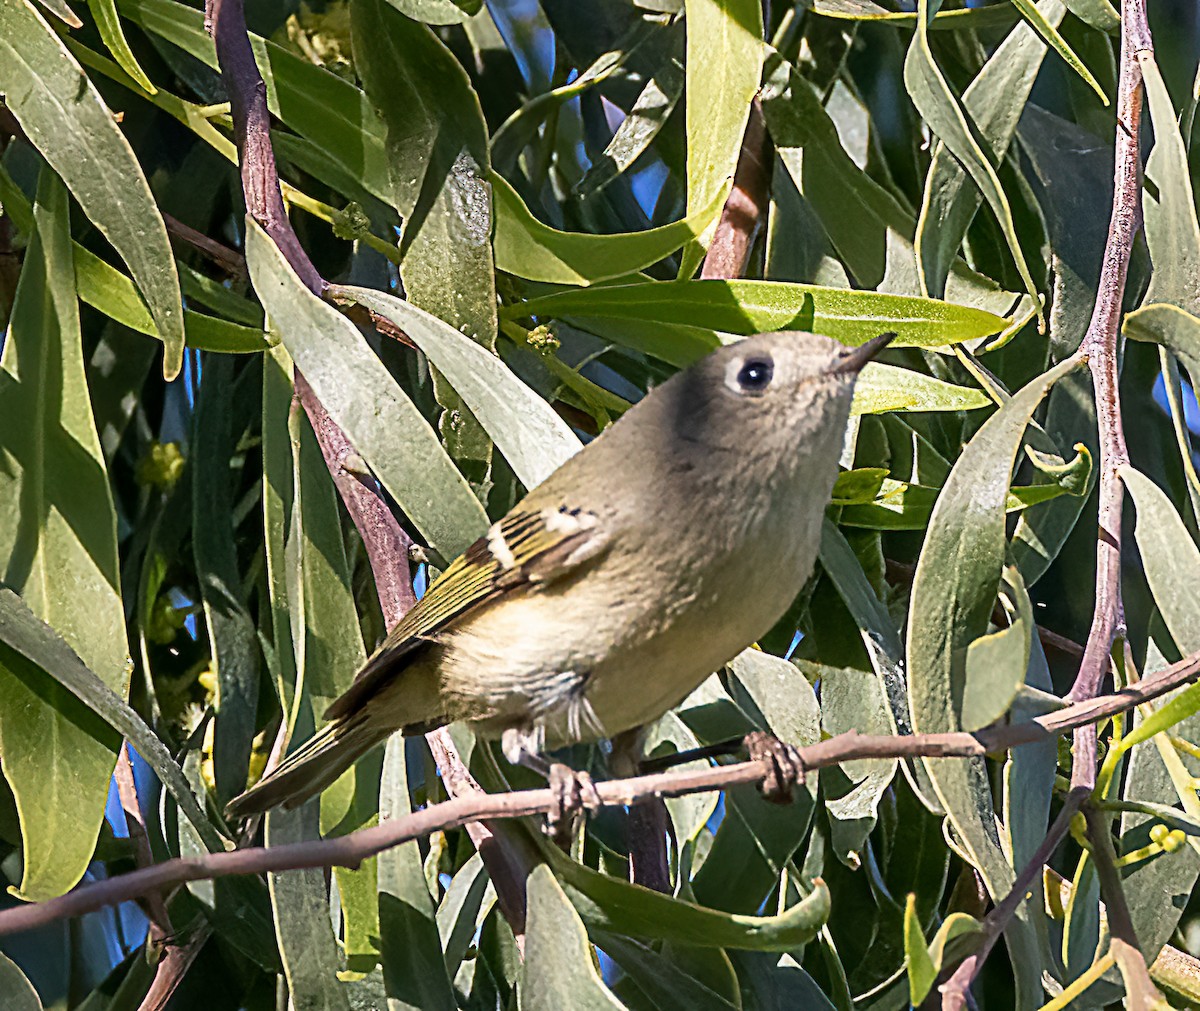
(755, 374)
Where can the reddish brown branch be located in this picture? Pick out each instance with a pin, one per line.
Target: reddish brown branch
(350, 850)
(1099, 350)
(386, 543)
(746, 207)
(957, 987)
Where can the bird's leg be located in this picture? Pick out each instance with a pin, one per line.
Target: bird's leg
(784, 766)
(571, 791)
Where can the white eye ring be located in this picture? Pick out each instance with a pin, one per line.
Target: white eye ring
(750, 376)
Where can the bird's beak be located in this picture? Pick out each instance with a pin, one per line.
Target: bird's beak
(852, 361)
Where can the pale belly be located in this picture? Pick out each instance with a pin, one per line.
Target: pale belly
(540, 663)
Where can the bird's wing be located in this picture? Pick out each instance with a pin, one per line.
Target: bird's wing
(526, 549)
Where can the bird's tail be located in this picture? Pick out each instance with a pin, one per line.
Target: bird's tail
(312, 767)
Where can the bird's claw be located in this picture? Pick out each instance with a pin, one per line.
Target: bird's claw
(571, 792)
(784, 766)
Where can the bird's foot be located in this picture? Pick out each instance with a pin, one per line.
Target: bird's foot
(784, 766)
(571, 793)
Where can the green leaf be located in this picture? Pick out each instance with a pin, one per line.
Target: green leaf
(647, 116)
(954, 589)
(363, 399)
(994, 100)
(66, 119)
(1171, 562)
(48, 658)
(560, 967)
(868, 227)
(607, 903)
(1046, 27)
(946, 118)
(319, 646)
(62, 11)
(19, 994)
(923, 963)
(105, 14)
(301, 909)
(526, 247)
(1100, 14)
(882, 388)
(533, 439)
(438, 12)
(723, 69)
(1172, 231)
(921, 971)
(657, 976)
(438, 158)
(231, 634)
(468, 899)
(413, 966)
(58, 545)
(750, 307)
(1172, 327)
(870, 10)
(104, 287)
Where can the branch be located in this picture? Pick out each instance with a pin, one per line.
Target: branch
(956, 989)
(1140, 990)
(746, 207)
(386, 543)
(1099, 350)
(350, 850)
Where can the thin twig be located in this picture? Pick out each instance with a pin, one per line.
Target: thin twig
(746, 207)
(1142, 992)
(386, 543)
(956, 990)
(230, 261)
(135, 823)
(1100, 350)
(351, 849)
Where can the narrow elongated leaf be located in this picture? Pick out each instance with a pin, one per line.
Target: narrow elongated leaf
(50, 658)
(19, 994)
(607, 903)
(301, 909)
(533, 439)
(723, 70)
(946, 118)
(231, 634)
(58, 549)
(413, 967)
(954, 588)
(994, 101)
(749, 307)
(883, 388)
(560, 969)
(1042, 23)
(526, 247)
(105, 14)
(870, 229)
(438, 156)
(438, 12)
(103, 287)
(637, 131)
(362, 398)
(1172, 231)
(66, 119)
(1170, 560)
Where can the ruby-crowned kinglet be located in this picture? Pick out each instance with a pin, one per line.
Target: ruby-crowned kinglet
(644, 563)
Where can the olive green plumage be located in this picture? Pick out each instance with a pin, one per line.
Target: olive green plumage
(647, 561)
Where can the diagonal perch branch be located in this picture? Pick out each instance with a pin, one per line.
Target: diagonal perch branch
(350, 850)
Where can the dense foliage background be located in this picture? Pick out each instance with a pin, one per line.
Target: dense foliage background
(542, 180)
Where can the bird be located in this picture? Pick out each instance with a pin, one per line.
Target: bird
(649, 559)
